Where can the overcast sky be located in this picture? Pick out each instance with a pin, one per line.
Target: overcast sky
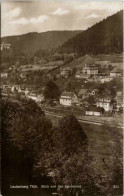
(47, 15)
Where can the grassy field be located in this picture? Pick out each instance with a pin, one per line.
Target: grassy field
(115, 60)
(42, 66)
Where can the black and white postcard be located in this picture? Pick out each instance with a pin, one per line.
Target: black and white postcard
(61, 98)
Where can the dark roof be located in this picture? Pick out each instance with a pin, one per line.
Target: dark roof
(116, 70)
(69, 94)
(82, 92)
(105, 96)
(119, 97)
(91, 66)
(78, 72)
(104, 100)
(94, 109)
(65, 69)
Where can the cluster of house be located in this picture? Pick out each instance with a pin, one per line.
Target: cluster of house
(94, 71)
(5, 46)
(5, 75)
(102, 103)
(91, 70)
(65, 72)
(23, 91)
(68, 99)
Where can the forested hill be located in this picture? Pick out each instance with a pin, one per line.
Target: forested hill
(36, 41)
(104, 37)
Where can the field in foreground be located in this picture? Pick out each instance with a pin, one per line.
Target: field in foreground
(102, 145)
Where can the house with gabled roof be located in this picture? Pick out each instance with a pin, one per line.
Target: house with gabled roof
(105, 102)
(65, 72)
(83, 93)
(81, 75)
(16, 88)
(90, 69)
(36, 97)
(119, 101)
(94, 111)
(103, 79)
(116, 72)
(5, 46)
(68, 98)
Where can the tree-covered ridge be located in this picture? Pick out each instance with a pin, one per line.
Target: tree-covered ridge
(57, 48)
(103, 37)
(31, 42)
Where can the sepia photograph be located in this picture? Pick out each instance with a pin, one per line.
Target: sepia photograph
(61, 98)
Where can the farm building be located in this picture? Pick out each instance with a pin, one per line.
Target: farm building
(94, 111)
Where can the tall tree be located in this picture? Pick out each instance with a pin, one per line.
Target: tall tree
(25, 131)
(70, 163)
(51, 91)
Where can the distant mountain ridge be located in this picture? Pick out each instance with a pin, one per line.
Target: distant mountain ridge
(32, 42)
(103, 37)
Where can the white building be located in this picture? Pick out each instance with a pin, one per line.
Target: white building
(68, 99)
(119, 100)
(90, 69)
(65, 72)
(16, 88)
(40, 97)
(32, 96)
(4, 75)
(80, 75)
(105, 79)
(27, 91)
(5, 46)
(35, 97)
(116, 72)
(105, 103)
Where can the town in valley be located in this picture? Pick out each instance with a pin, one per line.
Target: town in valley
(62, 98)
(92, 84)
